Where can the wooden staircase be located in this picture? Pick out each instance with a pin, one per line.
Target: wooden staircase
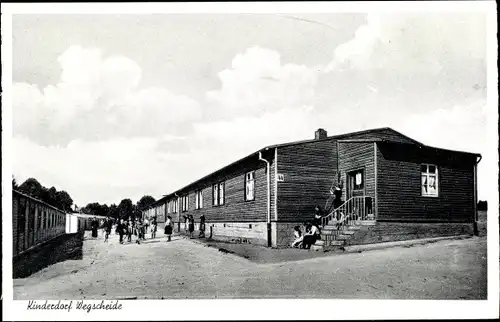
(354, 215)
(333, 238)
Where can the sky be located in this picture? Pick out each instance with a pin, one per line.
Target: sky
(109, 107)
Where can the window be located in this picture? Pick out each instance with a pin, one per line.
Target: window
(249, 186)
(358, 180)
(185, 203)
(221, 193)
(198, 199)
(429, 180)
(215, 195)
(218, 194)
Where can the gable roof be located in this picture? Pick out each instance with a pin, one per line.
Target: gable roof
(346, 137)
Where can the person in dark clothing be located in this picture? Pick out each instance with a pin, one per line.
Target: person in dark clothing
(191, 225)
(318, 216)
(121, 228)
(168, 228)
(202, 226)
(95, 226)
(311, 236)
(108, 225)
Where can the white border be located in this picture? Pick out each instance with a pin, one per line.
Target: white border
(254, 309)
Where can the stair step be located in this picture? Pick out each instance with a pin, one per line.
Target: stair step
(343, 237)
(353, 227)
(337, 243)
(367, 222)
(319, 242)
(317, 247)
(347, 232)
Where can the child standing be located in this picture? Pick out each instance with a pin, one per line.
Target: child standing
(153, 228)
(191, 226)
(202, 226)
(168, 228)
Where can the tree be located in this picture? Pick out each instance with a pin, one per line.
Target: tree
(113, 211)
(145, 202)
(125, 209)
(50, 196)
(64, 200)
(32, 188)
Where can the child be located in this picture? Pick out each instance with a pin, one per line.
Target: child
(153, 228)
(202, 226)
(168, 228)
(130, 231)
(191, 226)
(298, 237)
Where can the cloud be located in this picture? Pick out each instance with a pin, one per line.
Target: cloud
(469, 128)
(105, 171)
(97, 98)
(413, 43)
(258, 82)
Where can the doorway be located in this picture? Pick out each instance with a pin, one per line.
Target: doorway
(355, 183)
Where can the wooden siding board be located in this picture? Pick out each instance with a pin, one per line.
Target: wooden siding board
(33, 213)
(309, 170)
(399, 182)
(353, 156)
(235, 208)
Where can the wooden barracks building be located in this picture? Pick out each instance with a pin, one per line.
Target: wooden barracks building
(410, 190)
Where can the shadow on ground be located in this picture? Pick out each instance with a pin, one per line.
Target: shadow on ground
(62, 248)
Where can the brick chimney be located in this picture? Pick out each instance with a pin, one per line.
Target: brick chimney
(320, 134)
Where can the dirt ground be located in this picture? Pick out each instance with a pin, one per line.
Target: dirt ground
(183, 268)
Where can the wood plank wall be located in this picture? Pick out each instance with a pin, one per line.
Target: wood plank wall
(34, 222)
(354, 156)
(235, 208)
(399, 185)
(309, 170)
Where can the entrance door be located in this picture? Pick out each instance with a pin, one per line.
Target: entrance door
(355, 183)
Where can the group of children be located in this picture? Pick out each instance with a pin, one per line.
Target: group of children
(189, 225)
(312, 231)
(137, 228)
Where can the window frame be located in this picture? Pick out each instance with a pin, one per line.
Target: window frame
(246, 186)
(428, 175)
(222, 193)
(185, 203)
(198, 197)
(219, 194)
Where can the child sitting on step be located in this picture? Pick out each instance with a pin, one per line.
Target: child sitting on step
(311, 236)
(298, 237)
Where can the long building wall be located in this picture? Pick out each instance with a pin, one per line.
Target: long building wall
(34, 222)
(235, 207)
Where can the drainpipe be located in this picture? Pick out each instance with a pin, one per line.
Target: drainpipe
(268, 199)
(476, 229)
(178, 213)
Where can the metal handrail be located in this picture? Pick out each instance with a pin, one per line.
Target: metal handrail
(351, 210)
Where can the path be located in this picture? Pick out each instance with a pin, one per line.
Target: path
(180, 269)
